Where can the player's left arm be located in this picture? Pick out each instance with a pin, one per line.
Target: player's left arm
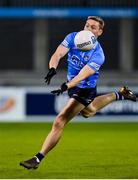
(89, 69)
(85, 72)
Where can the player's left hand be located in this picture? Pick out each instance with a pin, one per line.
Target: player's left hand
(63, 88)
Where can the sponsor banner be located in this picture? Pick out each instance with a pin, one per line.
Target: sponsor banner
(12, 104)
(20, 104)
(120, 108)
(48, 104)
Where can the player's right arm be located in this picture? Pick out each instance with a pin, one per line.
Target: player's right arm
(60, 52)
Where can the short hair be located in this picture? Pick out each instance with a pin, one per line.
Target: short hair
(98, 19)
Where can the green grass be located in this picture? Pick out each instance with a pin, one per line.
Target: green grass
(86, 150)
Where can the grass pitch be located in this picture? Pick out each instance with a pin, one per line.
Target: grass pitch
(86, 150)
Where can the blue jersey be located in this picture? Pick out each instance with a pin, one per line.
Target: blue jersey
(77, 59)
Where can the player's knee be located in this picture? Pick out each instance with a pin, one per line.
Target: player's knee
(59, 122)
(87, 114)
(90, 114)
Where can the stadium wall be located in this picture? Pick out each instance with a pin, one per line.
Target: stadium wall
(38, 104)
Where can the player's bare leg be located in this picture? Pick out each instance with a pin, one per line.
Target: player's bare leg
(98, 103)
(103, 100)
(72, 108)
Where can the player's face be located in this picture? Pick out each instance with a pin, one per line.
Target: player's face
(93, 26)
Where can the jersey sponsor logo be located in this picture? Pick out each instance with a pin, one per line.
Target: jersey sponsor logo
(96, 66)
(77, 61)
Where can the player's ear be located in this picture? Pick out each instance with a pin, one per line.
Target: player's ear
(100, 32)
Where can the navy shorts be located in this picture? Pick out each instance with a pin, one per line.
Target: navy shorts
(84, 96)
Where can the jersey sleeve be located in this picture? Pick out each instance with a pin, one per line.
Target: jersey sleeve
(96, 60)
(68, 41)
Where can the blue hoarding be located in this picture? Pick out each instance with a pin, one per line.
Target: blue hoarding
(68, 12)
(47, 104)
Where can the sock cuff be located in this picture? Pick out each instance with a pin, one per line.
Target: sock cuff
(42, 154)
(39, 156)
(119, 96)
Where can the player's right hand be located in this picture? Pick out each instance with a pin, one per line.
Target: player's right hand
(50, 74)
(62, 89)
